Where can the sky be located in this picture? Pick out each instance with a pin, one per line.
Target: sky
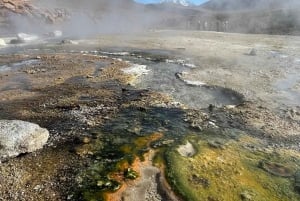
(157, 1)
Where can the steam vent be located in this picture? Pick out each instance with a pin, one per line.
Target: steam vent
(168, 100)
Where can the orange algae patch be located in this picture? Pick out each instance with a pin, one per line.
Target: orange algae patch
(136, 165)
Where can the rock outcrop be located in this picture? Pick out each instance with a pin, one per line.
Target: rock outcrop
(27, 9)
(17, 137)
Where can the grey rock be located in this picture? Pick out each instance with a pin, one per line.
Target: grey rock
(253, 52)
(17, 41)
(18, 137)
(67, 41)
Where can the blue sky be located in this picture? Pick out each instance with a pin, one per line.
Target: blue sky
(156, 1)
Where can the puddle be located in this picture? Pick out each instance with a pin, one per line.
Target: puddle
(162, 77)
(158, 72)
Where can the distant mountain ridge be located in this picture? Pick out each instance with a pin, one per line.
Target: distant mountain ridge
(231, 5)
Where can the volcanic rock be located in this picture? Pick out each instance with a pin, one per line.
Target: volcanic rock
(17, 137)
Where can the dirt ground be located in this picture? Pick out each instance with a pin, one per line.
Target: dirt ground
(69, 93)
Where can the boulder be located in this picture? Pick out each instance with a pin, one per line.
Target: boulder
(2, 42)
(17, 137)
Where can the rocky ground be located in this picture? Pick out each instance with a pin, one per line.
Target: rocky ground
(73, 94)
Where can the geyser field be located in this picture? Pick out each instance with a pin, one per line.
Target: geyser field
(150, 114)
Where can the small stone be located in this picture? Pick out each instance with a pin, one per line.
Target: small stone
(86, 140)
(30, 71)
(67, 41)
(100, 183)
(216, 144)
(276, 169)
(38, 188)
(253, 52)
(89, 76)
(246, 196)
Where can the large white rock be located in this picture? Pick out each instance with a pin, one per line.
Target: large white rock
(2, 42)
(18, 137)
(27, 37)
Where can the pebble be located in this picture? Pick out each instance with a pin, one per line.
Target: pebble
(253, 52)
(246, 196)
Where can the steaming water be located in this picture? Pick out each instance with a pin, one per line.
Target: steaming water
(159, 74)
(162, 77)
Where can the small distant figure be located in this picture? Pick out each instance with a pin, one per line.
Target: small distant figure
(225, 26)
(199, 25)
(205, 26)
(188, 24)
(211, 107)
(218, 26)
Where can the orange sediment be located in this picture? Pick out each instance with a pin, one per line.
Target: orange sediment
(136, 166)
